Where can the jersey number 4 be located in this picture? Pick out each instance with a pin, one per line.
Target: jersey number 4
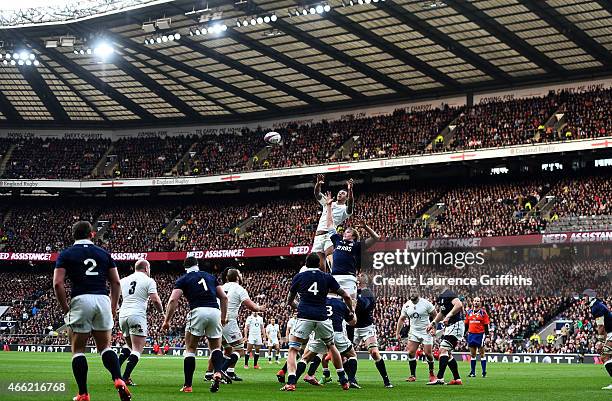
(313, 288)
(91, 266)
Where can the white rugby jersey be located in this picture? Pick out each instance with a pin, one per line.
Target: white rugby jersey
(135, 290)
(254, 324)
(236, 295)
(272, 331)
(418, 314)
(339, 214)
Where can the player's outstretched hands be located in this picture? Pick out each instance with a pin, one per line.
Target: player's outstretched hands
(349, 184)
(329, 198)
(320, 178)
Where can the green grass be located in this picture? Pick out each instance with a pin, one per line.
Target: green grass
(159, 379)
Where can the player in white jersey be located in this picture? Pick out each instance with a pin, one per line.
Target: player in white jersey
(419, 312)
(136, 290)
(254, 332)
(342, 209)
(272, 332)
(232, 335)
(280, 375)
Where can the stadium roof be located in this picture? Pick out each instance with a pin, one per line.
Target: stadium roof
(101, 72)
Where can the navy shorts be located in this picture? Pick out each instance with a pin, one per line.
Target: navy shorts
(475, 340)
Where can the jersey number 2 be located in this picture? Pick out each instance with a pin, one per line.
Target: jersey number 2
(91, 265)
(313, 288)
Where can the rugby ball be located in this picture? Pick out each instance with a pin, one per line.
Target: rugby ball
(273, 138)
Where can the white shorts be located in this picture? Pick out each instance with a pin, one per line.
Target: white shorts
(340, 340)
(135, 325)
(321, 243)
(363, 334)
(452, 335)
(273, 343)
(420, 336)
(348, 283)
(255, 341)
(323, 330)
(89, 312)
(232, 333)
(204, 321)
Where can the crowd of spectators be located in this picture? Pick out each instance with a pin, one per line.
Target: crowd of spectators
(583, 197)
(403, 132)
(55, 158)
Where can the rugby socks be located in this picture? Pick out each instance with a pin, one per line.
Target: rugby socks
(326, 372)
(342, 376)
(131, 364)
(111, 363)
(350, 367)
(125, 353)
(246, 358)
(189, 364)
(608, 366)
(79, 369)
(301, 367)
(430, 364)
(255, 358)
(382, 369)
(454, 368)
(483, 364)
(473, 366)
(442, 366)
(291, 379)
(270, 354)
(314, 365)
(231, 361)
(216, 356)
(412, 362)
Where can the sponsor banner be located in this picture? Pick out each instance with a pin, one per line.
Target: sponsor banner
(386, 355)
(163, 256)
(436, 243)
(436, 158)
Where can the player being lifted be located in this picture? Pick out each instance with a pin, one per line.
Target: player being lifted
(450, 313)
(477, 320)
(418, 311)
(232, 335)
(365, 330)
(254, 332)
(342, 209)
(136, 290)
(603, 319)
(272, 332)
(90, 312)
(313, 286)
(204, 318)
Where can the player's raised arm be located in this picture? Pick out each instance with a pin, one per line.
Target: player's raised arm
(171, 307)
(329, 199)
(222, 304)
(59, 276)
(317, 188)
(373, 234)
(350, 201)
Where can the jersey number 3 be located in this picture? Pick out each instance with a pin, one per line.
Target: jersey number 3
(91, 266)
(132, 287)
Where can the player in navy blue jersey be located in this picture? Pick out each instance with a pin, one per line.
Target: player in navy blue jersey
(603, 319)
(90, 312)
(346, 253)
(206, 317)
(450, 313)
(365, 330)
(313, 286)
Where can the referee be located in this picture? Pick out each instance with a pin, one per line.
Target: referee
(478, 322)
